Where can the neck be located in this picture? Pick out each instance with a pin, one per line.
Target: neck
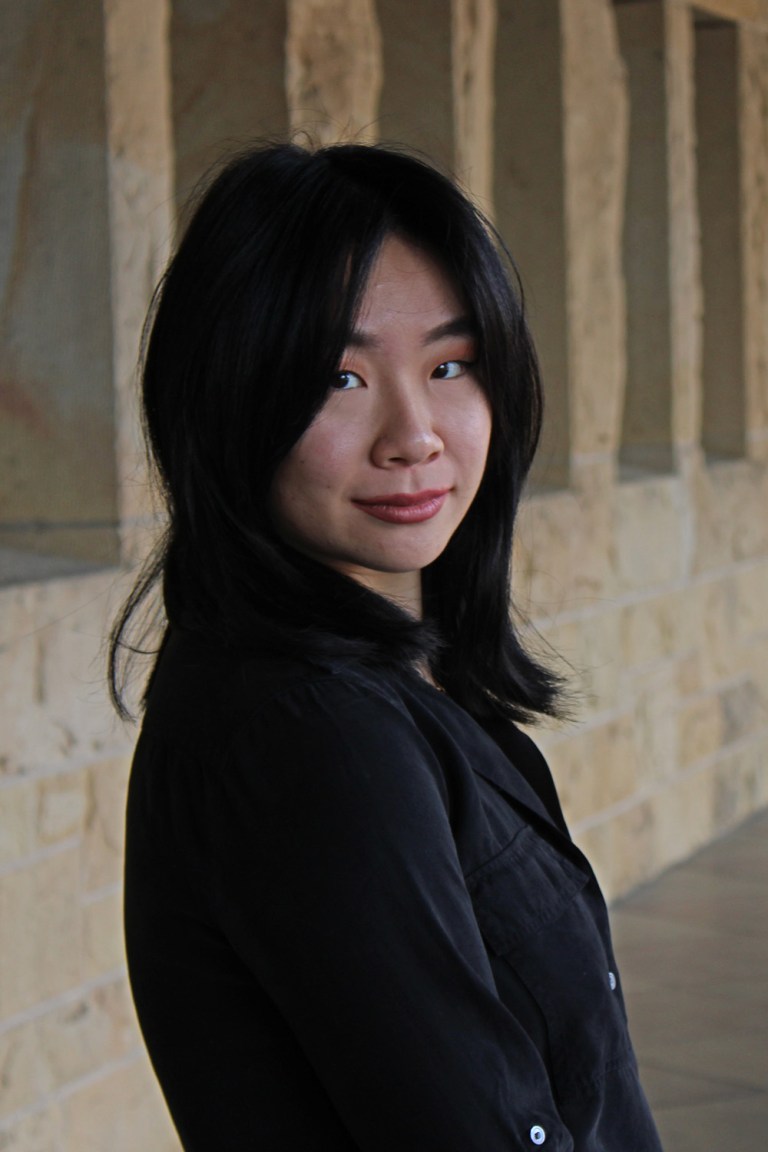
(402, 588)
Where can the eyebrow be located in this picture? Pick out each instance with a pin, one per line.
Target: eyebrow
(459, 326)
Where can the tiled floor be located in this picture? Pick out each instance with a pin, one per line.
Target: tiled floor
(693, 953)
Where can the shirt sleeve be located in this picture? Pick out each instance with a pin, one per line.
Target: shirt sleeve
(336, 880)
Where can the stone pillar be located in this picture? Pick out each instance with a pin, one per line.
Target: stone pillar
(596, 141)
(473, 39)
(228, 80)
(684, 262)
(417, 92)
(753, 103)
(56, 402)
(140, 166)
(333, 69)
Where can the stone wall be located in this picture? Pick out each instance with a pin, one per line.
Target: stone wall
(622, 149)
(72, 1071)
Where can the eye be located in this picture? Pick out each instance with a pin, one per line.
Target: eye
(345, 381)
(451, 369)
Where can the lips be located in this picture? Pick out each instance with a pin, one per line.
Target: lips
(404, 507)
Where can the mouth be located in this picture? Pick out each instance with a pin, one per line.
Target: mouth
(404, 507)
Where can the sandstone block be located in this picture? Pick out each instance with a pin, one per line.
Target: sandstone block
(72, 671)
(656, 730)
(700, 730)
(683, 815)
(79, 1038)
(543, 553)
(711, 610)
(648, 532)
(19, 1070)
(741, 709)
(590, 649)
(571, 762)
(756, 668)
(689, 675)
(563, 548)
(650, 630)
(104, 820)
(16, 821)
(103, 935)
(41, 931)
(751, 591)
(122, 1112)
(38, 1132)
(53, 704)
(725, 496)
(61, 805)
(616, 764)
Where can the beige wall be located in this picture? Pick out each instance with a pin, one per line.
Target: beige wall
(585, 129)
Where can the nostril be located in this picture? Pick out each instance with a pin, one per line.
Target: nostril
(416, 448)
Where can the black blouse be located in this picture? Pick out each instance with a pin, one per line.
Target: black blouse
(355, 921)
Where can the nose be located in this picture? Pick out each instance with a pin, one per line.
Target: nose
(406, 433)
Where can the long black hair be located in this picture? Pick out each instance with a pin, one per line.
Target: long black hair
(245, 333)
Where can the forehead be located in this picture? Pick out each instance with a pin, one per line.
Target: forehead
(408, 286)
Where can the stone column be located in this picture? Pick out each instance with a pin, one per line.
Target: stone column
(140, 166)
(333, 69)
(753, 103)
(473, 43)
(684, 262)
(595, 148)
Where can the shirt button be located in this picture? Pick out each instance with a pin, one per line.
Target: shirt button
(538, 1135)
(612, 981)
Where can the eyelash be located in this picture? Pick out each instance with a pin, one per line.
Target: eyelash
(338, 380)
(464, 367)
(341, 379)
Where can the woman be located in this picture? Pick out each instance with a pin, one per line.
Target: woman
(354, 917)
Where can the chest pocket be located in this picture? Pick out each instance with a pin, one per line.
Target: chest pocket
(543, 914)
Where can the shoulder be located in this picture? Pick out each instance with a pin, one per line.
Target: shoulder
(250, 760)
(265, 716)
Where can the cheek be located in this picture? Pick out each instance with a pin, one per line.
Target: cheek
(313, 468)
(473, 436)
(319, 462)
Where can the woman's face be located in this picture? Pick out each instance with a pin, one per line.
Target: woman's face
(381, 479)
